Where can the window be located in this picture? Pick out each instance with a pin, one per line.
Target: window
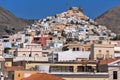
(115, 75)
(117, 51)
(99, 56)
(73, 49)
(30, 55)
(88, 49)
(24, 55)
(109, 42)
(99, 51)
(107, 52)
(43, 55)
(77, 49)
(36, 55)
(35, 46)
(19, 75)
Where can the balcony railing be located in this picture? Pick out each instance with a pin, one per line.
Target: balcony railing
(86, 73)
(100, 56)
(23, 58)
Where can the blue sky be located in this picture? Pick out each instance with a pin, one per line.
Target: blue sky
(36, 9)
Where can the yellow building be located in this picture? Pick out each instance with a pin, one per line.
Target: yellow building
(102, 51)
(79, 70)
(74, 67)
(76, 46)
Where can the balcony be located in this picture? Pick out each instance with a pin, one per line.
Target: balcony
(23, 58)
(99, 56)
(107, 56)
(81, 74)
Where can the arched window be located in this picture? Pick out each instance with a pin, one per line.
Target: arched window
(30, 55)
(107, 52)
(73, 49)
(99, 51)
(78, 49)
(36, 55)
(24, 55)
(19, 75)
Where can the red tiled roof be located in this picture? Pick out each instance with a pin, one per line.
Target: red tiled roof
(102, 62)
(14, 68)
(42, 76)
(92, 61)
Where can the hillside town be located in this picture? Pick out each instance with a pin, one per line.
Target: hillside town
(67, 46)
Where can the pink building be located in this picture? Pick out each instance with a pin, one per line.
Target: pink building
(41, 39)
(32, 52)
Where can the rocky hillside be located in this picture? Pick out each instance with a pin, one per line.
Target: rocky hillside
(9, 23)
(111, 19)
(73, 24)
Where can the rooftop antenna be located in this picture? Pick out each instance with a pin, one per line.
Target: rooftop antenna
(79, 6)
(68, 4)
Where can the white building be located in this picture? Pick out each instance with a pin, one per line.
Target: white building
(73, 55)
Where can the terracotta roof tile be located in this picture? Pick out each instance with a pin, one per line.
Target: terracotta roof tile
(102, 62)
(42, 76)
(14, 68)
